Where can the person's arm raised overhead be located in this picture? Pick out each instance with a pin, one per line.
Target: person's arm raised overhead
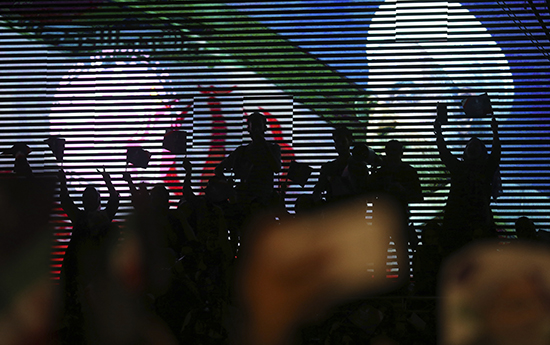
(128, 178)
(67, 203)
(112, 203)
(446, 156)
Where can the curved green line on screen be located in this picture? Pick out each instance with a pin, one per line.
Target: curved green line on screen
(325, 91)
(239, 42)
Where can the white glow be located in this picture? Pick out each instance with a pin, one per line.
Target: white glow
(386, 55)
(118, 99)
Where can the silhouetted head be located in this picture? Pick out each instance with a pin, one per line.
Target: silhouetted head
(342, 140)
(257, 124)
(361, 152)
(160, 198)
(525, 229)
(90, 199)
(475, 150)
(394, 151)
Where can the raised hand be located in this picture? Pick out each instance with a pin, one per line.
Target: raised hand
(104, 174)
(126, 176)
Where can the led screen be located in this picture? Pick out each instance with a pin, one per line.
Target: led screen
(108, 75)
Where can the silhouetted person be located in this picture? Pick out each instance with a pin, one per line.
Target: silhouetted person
(468, 214)
(526, 229)
(215, 253)
(139, 194)
(362, 165)
(86, 258)
(205, 213)
(90, 224)
(254, 164)
(170, 225)
(197, 264)
(344, 176)
(20, 151)
(398, 179)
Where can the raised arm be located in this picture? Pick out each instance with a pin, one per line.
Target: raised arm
(112, 203)
(128, 178)
(446, 156)
(139, 197)
(67, 203)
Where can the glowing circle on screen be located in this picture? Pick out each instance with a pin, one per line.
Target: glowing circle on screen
(121, 98)
(438, 49)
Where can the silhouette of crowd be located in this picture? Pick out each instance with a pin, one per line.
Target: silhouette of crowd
(171, 271)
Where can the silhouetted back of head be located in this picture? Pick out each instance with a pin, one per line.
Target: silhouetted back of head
(394, 150)
(475, 150)
(90, 199)
(361, 152)
(343, 138)
(257, 124)
(160, 198)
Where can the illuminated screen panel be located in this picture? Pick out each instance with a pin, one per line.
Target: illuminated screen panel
(108, 75)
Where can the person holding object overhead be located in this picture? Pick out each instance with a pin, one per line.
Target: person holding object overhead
(91, 220)
(86, 258)
(474, 180)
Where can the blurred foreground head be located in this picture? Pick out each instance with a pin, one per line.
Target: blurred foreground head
(28, 300)
(292, 272)
(498, 295)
